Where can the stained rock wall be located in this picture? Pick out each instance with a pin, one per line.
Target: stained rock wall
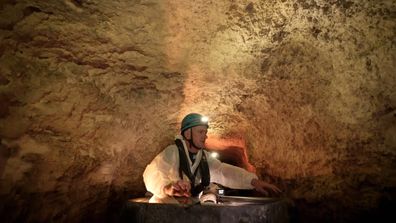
(91, 91)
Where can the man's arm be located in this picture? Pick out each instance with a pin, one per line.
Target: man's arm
(179, 188)
(161, 176)
(161, 172)
(229, 175)
(236, 177)
(262, 187)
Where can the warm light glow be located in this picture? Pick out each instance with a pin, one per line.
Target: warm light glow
(217, 143)
(204, 119)
(214, 155)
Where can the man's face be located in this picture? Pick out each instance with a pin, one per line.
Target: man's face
(199, 135)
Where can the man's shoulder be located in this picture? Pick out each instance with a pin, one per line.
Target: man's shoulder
(207, 152)
(168, 153)
(170, 149)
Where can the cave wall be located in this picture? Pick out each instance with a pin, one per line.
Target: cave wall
(91, 91)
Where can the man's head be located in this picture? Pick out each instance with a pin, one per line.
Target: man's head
(193, 119)
(194, 128)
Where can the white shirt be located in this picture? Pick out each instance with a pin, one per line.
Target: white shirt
(164, 169)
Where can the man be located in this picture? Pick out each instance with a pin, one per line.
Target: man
(185, 168)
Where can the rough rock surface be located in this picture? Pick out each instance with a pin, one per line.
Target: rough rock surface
(91, 91)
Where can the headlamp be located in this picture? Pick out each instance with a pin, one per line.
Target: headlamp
(214, 154)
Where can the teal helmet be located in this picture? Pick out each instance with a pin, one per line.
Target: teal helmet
(193, 119)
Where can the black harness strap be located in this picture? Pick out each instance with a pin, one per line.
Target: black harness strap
(184, 167)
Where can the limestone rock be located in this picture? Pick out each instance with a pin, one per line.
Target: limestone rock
(91, 91)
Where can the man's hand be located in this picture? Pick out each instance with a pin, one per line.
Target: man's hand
(180, 188)
(262, 187)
